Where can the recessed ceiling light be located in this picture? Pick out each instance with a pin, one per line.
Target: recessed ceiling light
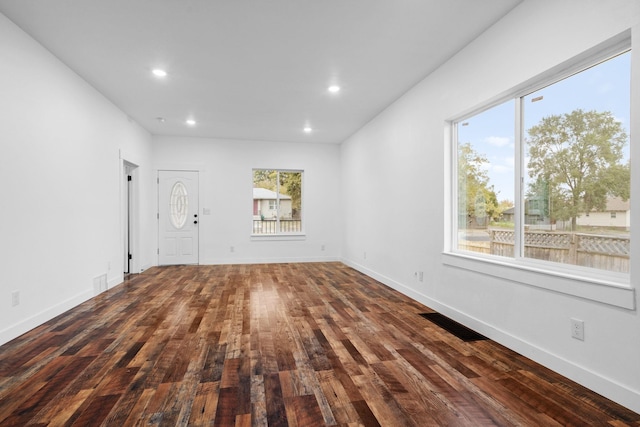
(159, 73)
(191, 122)
(307, 129)
(334, 89)
(160, 119)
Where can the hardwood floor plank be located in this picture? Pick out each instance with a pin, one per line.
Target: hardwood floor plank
(96, 411)
(367, 417)
(475, 403)
(424, 399)
(158, 407)
(307, 412)
(128, 402)
(337, 400)
(274, 345)
(525, 413)
(556, 396)
(276, 412)
(56, 379)
(205, 402)
(61, 415)
(382, 403)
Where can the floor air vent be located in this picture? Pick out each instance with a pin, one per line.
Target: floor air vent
(453, 327)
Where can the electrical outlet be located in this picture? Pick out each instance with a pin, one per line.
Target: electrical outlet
(364, 255)
(577, 329)
(15, 298)
(232, 249)
(421, 276)
(322, 247)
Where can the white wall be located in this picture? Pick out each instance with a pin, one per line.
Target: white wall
(226, 190)
(60, 170)
(402, 154)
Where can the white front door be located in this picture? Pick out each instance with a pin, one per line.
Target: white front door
(178, 217)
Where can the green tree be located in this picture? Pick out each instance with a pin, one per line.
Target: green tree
(578, 156)
(477, 199)
(291, 184)
(265, 178)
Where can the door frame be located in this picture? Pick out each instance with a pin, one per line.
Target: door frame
(130, 214)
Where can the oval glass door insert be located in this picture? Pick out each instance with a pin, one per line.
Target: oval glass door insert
(178, 205)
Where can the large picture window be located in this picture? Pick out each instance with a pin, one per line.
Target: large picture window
(546, 175)
(277, 202)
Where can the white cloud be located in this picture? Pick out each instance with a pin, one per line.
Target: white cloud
(497, 141)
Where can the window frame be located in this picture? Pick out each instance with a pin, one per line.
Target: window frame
(280, 235)
(599, 285)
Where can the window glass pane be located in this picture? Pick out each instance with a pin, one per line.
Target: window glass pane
(265, 208)
(290, 202)
(485, 162)
(277, 201)
(577, 170)
(178, 205)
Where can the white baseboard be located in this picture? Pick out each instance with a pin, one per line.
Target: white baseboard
(605, 386)
(279, 260)
(145, 267)
(115, 281)
(44, 316)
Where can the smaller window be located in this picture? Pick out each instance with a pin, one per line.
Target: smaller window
(613, 215)
(277, 202)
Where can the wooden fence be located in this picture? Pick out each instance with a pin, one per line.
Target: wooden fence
(587, 250)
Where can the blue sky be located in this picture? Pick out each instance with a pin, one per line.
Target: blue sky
(605, 87)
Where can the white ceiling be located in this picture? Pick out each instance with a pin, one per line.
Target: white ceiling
(254, 69)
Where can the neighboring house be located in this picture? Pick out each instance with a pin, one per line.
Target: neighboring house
(508, 215)
(533, 212)
(265, 204)
(617, 214)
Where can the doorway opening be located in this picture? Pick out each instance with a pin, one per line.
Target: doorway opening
(129, 217)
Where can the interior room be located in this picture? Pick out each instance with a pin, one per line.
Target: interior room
(345, 115)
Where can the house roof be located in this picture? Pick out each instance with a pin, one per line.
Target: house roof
(264, 194)
(617, 204)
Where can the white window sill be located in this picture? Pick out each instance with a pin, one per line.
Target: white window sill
(608, 288)
(277, 237)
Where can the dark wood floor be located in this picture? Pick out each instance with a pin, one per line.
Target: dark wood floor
(279, 344)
